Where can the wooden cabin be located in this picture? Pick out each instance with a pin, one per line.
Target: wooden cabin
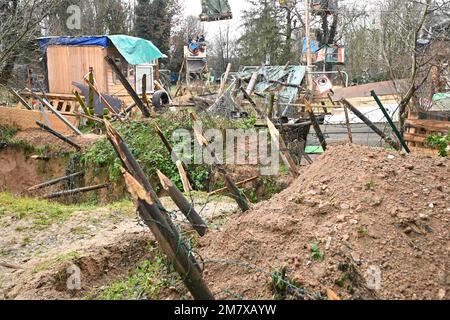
(69, 60)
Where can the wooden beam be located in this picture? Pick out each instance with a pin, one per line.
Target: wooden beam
(56, 181)
(315, 123)
(430, 125)
(184, 179)
(128, 87)
(285, 154)
(59, 135)
(75, 191)
(58, 114)
(183, 204)
(225, 79)
(239, 184)
(233, 189)
(22, 100)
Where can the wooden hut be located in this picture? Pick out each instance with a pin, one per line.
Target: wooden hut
(69, 59)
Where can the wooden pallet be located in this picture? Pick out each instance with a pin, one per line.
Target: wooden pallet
(66, 104)
(418, 130)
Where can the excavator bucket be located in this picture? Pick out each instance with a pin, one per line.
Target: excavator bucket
(215, 10)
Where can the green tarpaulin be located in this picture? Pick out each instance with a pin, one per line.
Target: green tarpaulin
(136, 50)
(215, 10)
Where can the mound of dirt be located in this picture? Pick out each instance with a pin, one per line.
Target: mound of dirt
(363, 222)
(39, 138)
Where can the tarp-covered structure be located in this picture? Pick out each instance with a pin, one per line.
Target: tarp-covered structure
(270, 77)
(215, 10)
(135, 50)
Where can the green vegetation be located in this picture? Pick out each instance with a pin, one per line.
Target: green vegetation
(45, 213)
(370, 185)
(146, 282)
(281, 285)
(440, 142)
(316, 253)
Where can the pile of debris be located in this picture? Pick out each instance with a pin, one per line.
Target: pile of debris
(362, 222)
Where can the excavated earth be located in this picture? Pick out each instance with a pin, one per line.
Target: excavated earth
(379, 220)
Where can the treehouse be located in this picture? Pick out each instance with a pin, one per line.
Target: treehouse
(68, 60)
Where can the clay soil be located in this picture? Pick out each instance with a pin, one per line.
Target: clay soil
(366, 209)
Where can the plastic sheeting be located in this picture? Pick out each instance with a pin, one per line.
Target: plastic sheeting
(292, 75)
(135, 50)
(214, 10)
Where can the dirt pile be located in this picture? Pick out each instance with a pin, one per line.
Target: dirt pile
(363, 222)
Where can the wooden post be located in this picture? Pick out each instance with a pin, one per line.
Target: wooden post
(253, 104)
(57, 114)
(370, 124)
(234, 191)
(128, 87)
(56, 181)
(225, 79)
(129, 161)
(184, 179)
(59, 135)
(22, 100)
(391, 123)
(347, 123)
(315, 124)
(252, 83)
(91, 80)
(104, 101)
(169, 240)
(75, 191)
(183, 204)
(173, 154)
(277, 138)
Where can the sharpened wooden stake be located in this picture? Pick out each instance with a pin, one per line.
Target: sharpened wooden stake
(315, 124)
(183, 204)
(173, 154)
(59, 135)
(57, 114)
(22, 100)
(184, 179)
(169, 240)
(370, 124)
(128, 87)
(234, 190)
(287, 158)
(225, 79)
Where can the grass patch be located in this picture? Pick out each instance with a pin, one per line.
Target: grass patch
(145, 283)
(44, 213)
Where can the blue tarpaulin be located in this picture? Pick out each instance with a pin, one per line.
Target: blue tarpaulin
(134, 50)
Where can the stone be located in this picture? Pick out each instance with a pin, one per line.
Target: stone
(391, 157)
(325, 208)
(341, 217)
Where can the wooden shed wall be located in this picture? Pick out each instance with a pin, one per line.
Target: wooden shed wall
(71, 63)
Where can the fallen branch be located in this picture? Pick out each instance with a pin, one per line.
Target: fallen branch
(9, 265)
(56, 181)
(75, 191)
(239, 184)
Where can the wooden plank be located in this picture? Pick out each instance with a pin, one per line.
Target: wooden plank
(71, 63)
(26, 119)
(417, 138)
(285, 154)
(430, 125)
